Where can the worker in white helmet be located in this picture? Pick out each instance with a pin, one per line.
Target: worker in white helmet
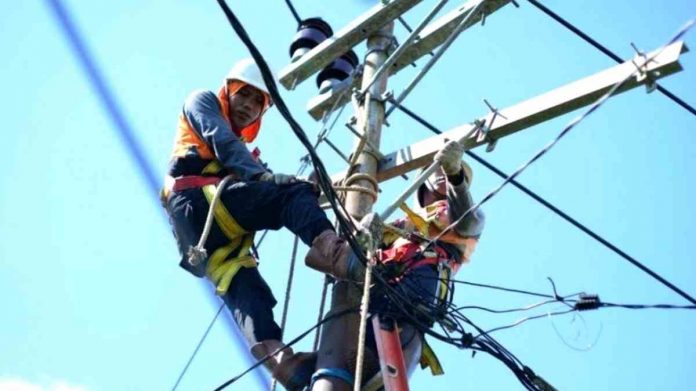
(210, 144)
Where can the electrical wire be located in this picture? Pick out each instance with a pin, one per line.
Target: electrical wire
(107, 98)
(565, 131)
(198, 346)
(565, 216)
(524, 320)
(294, 12)
(125, 130)
(606, 51)
(648, 306)
(287, 345)
(529, 192)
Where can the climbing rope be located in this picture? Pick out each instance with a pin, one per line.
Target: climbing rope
(364, 305)
(197, 254)
(286, 303)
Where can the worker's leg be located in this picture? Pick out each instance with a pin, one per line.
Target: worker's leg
(251, 303)
(264, 205)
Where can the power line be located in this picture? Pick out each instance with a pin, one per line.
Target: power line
(553, 208)
(289, 344)
(606, 51)
(198, 346)
(107, 98)
(294, 12)
(119, 120)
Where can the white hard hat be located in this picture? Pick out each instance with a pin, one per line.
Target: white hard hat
(247, 71)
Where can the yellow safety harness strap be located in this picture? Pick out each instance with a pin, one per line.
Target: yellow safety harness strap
(223, 218)
(221, 269)
(429, 359)
(419, 222)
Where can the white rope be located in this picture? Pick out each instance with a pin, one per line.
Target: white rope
(324, 290)
(197, 254)
(286, 304)
(364, 304)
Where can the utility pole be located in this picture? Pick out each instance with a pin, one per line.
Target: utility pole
(339, 337)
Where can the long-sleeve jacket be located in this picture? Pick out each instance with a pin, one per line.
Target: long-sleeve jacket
(205, 143)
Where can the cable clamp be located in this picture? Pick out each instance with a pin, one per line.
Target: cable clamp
(587, 302)
(643, 74)
(466, 341)
(388, 96)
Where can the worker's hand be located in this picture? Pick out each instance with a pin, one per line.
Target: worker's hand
(370, 232)
(450, 157)
(279, 179)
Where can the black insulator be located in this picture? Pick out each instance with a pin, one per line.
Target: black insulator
(310, 33)
(587, 302)
(339, 69)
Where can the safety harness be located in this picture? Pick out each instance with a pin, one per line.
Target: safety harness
(225, 261)
(407, 241)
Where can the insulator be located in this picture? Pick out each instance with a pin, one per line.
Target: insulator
(340, 69)
(310, 33)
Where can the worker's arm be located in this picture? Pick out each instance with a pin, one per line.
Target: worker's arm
(203, 112)
(460, 201)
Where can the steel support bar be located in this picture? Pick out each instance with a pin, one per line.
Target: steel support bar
(431, 37)
(533, 111)
(343, 41)
(391, 356)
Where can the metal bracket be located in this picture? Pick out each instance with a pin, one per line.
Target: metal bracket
(385, 97)
(485, 131)
(643, 74)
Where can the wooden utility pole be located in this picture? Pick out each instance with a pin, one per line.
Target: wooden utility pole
(339, 341)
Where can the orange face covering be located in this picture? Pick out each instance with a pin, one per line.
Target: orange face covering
(249, 133)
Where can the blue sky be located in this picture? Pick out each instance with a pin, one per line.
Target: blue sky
(92, 295)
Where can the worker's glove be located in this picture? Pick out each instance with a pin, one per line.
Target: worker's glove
(279, 179)
(370, 231)
(450, 157)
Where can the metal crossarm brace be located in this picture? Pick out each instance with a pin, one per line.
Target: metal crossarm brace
(532, 111)
(430, 37)
(343, 41)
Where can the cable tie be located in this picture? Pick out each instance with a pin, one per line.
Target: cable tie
(587, 302)
(466, 341)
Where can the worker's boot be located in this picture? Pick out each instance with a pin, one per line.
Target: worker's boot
(295, 372)
(332, 255)
(292, 370)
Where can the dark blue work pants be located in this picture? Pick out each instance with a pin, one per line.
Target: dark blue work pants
(255, 206)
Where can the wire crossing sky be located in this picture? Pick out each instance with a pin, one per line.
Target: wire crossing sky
(92, 272)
